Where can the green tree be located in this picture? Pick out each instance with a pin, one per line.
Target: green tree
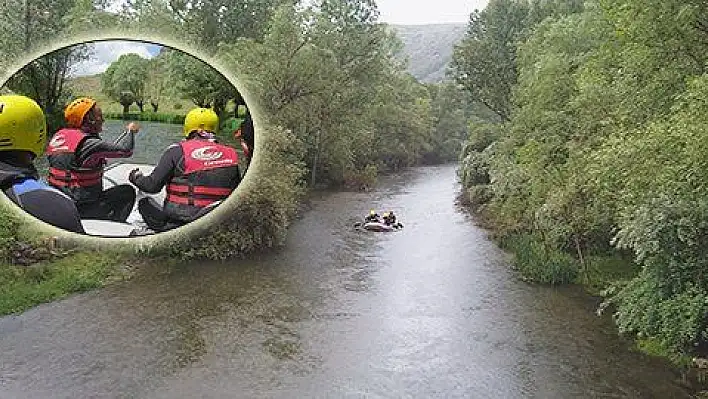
(484, 63)
(199, 82)
(124, 80)
(29, 24)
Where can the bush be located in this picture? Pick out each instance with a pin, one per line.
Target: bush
(669, 299)
(678, 322)
(361, 178)
(474, 169)
(478, 195)
(539, 263)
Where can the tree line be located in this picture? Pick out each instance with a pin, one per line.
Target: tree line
(132, 79)
(597, 148)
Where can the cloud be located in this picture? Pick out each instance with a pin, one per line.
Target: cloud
(104, 53)
(407, 12)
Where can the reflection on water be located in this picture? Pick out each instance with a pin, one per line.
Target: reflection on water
(429, 311)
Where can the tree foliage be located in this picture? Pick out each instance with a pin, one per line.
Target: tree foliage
(604, 149)
(125, 79)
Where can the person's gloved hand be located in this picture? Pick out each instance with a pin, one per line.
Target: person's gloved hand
(134, 174)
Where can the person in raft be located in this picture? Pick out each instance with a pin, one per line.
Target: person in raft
(77, 156)
(23, 135)
(199, 172)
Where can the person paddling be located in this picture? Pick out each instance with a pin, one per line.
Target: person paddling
(77, 156)
(198, 172)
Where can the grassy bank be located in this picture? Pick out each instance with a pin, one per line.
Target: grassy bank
(25, 286)
(148, 116)
(35, 268)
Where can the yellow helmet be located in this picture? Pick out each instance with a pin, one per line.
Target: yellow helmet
(372, 212)
(385, 215)
(22, 125)
(201, 118)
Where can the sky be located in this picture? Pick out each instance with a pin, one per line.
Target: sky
(399, 12)
(418, 12)
(104, 53)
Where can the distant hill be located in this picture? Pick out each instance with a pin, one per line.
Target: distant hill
(429, 48)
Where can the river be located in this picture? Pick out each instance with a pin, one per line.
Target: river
(430, 311)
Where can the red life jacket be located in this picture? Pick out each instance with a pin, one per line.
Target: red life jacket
(203, 181)
(80, 183)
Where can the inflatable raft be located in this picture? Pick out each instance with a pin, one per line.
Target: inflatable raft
(114, 175)
(376, 226)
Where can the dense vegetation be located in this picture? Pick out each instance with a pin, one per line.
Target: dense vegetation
(599, 149)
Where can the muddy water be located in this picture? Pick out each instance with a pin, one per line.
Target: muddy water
(430, 311)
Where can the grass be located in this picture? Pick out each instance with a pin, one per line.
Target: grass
(653, 347)
(146, 116)
(23, 287)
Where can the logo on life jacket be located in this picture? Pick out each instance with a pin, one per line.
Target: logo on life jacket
(203, 154)
(57, 142)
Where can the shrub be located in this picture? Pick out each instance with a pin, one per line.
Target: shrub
(540, 263)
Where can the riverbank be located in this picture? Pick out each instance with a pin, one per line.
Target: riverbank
(57, 273)
(174, 119)
(596, 275)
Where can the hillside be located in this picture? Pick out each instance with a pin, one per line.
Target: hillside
(429, 48)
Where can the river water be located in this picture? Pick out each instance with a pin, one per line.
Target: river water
(430, 311)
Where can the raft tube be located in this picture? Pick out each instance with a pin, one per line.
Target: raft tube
(376, 226)
(114, 175)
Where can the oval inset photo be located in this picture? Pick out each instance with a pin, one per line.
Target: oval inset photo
(121, 138)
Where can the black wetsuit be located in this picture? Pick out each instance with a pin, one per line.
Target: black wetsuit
(40, 200)
(389, 220)
(171, 165)
(117, 202)
(247, 132)
(372, 218)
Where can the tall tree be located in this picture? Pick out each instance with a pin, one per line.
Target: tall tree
(124, 80)
(484, 63)
(28, 24)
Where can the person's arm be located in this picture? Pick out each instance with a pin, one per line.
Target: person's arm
(163, 172)
(94, 150)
